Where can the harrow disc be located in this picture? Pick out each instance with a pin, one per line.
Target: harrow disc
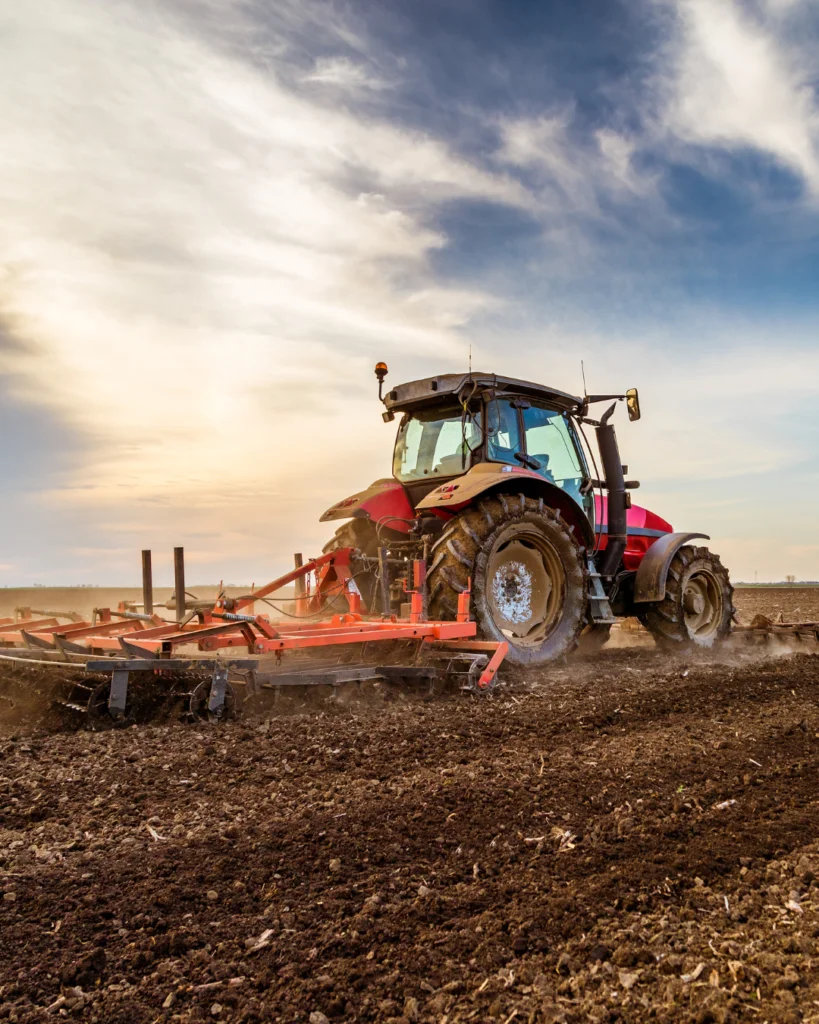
(474, 678)
(99, 717)
(199, 698)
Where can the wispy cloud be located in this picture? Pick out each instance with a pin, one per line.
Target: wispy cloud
(344, 74)
(737, 79)
(569, 171)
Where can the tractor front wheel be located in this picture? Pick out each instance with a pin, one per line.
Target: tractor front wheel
(698, 604)
(527, 574)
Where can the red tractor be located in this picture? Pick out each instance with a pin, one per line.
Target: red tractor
(495, 484)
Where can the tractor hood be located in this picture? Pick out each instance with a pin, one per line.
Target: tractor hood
(643, 528)
(384, 501)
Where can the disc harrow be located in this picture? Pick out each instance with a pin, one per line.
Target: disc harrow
(129, 667)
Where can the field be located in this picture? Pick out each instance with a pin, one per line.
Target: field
(629, 838)
(83, 600)
(796, 604)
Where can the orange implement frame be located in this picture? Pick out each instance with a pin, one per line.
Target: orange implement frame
(225, 627)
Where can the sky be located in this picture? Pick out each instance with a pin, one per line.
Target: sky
(216, 215)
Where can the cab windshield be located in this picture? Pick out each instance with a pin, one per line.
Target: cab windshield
(435, 443)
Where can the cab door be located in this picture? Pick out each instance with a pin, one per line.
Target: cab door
(551, 441)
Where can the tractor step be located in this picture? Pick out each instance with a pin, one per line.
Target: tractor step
(599, 606)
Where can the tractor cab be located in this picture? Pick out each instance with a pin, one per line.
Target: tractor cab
(441, 443)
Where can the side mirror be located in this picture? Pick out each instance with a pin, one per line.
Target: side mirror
(633, 404)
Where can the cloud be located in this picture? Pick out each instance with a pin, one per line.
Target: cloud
(195, 252)
(345, 74)
(570, 171)
(740, 80)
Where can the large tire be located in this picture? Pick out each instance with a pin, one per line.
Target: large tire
(359, 534)
(698, 604)
(529, 580)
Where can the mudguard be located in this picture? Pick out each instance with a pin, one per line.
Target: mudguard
(457, 493)
(384, 501)
(649, 584)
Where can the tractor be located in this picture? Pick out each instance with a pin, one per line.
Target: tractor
(495, 485)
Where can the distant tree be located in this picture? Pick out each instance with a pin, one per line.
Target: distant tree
(790, 579)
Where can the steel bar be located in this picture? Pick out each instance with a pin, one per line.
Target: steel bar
(300, 584)
(147, 583)
(236, 604)
(118, 693)
(28, 624)
(218, 685)
(167, 665)
(340, 674)
(134, 650)
(179, 582)
(71, 616)
(80, 632)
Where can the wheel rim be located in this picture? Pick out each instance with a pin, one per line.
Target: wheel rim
(702, 605)
(526, 586)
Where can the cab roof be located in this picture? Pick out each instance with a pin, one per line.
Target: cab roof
(430, 391)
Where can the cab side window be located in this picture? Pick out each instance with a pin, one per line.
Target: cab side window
(549, 442)
(502, 432)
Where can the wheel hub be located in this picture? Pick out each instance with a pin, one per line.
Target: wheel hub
(694, 602)
(512, 591)
(702, 604)
(525, 588)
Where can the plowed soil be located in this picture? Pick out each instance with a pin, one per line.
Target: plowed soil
(628, 838)
(794, 604)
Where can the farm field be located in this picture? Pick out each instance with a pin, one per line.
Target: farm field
(625, 838)
(796, 604)
(83, 600)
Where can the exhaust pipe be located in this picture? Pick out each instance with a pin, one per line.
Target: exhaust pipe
(616, 489)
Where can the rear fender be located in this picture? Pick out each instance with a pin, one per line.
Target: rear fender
(384, 501)
(649, 583)
(488, 477)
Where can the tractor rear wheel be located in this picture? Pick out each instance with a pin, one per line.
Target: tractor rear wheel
(528, 576)
(359, 534)
(698, 604)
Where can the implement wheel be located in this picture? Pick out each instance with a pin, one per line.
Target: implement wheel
(698, 605)
(527, 571)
